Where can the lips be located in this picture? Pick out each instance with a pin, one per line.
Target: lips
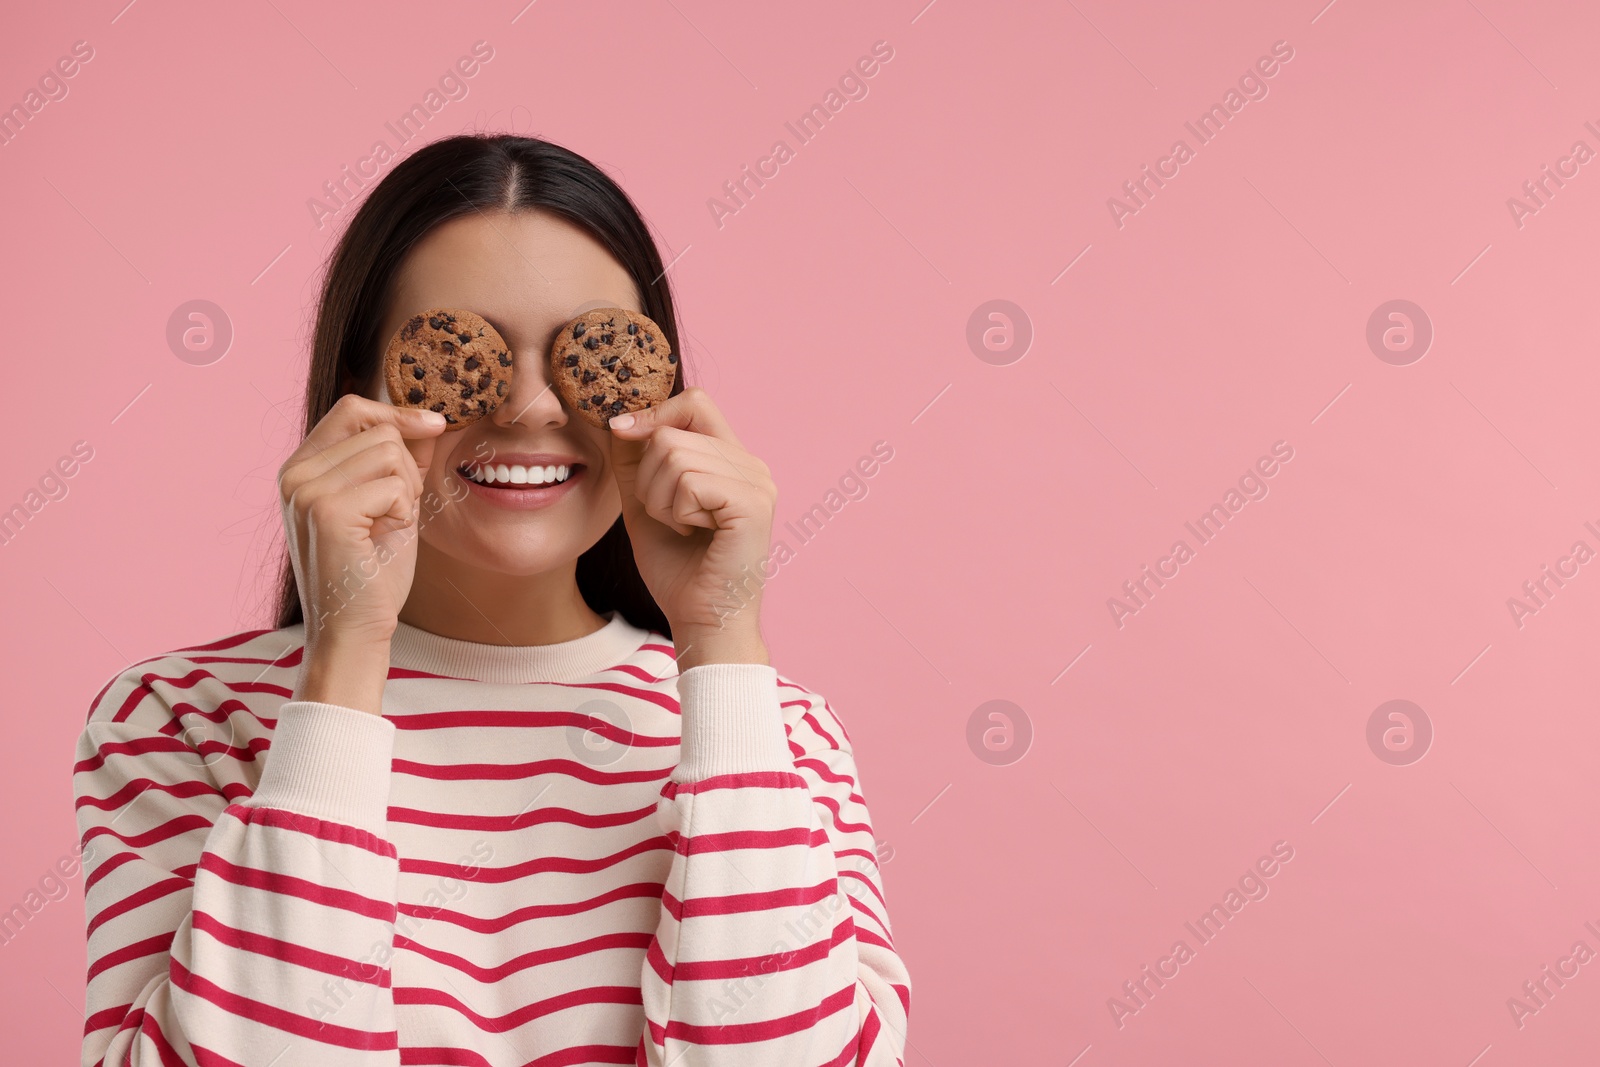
(492, 477)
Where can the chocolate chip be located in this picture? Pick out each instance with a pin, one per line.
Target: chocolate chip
(433, 321)
(437, 407)
(447, 347)
(447, 372)
(483, 406)
(505, 359)
(589, 376)
(623, 374)
(598, 397)
(584, 404)
(605, 338)
(465, 337)
(415, 396)
(639, 341)
(633, 327)
(571, 360)
(616, 405)
(647, 336)
(500, 388)
(466, 391)
(408, 359)
(592, 343)
(574, 372)
(471, 363)
(483, 382)
(449, 417)
(672, 357)
(417, 372)
(577, 331)
(636, 392)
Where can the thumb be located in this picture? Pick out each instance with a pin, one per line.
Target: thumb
(420, 435)
(626, 441)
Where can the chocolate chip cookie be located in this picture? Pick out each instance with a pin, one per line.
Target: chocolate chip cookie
(448, 360)
(611, 360)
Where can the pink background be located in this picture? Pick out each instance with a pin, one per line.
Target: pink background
(1229, 313)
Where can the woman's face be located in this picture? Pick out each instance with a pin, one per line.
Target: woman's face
(526, 273)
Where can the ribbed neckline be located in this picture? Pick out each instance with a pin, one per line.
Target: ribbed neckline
(422, 650)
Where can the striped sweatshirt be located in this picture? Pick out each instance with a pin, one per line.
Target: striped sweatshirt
(552, 854)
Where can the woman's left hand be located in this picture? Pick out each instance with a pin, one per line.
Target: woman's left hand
(698, 508)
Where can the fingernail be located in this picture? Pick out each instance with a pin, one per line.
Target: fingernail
(622, 422)
(433, 418)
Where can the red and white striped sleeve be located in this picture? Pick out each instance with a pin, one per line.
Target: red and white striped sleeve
(773, 945)
(224, 927)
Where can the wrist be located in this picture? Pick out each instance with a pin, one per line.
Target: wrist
(696, 648)
(349, 673)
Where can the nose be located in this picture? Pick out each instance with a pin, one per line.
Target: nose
(531, 401)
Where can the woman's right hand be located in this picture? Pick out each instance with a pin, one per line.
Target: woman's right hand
(351, 497)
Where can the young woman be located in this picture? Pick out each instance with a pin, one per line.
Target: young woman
(512, 781)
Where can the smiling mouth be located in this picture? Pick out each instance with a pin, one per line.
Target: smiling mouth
(517, 476)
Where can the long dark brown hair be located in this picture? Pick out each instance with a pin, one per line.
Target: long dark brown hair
(457, 176)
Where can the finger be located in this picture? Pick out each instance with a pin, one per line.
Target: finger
(382, 459)
(674, 451)
(333, 498)
(312, 461)
(352, 414)
(355, 509)
(662, 493)
(708, 452)
(661, 508)
(708, 500)
(693, 409)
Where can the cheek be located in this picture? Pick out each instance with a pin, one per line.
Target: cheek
(603, 491)
(446, 483)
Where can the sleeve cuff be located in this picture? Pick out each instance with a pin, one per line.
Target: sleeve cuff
(732, 722)
(329, 762)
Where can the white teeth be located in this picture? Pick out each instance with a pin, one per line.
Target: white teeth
(513, 474)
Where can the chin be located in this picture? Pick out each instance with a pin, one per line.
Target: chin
(518, 549)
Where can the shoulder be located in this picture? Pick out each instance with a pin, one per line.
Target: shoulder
(250, 667)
